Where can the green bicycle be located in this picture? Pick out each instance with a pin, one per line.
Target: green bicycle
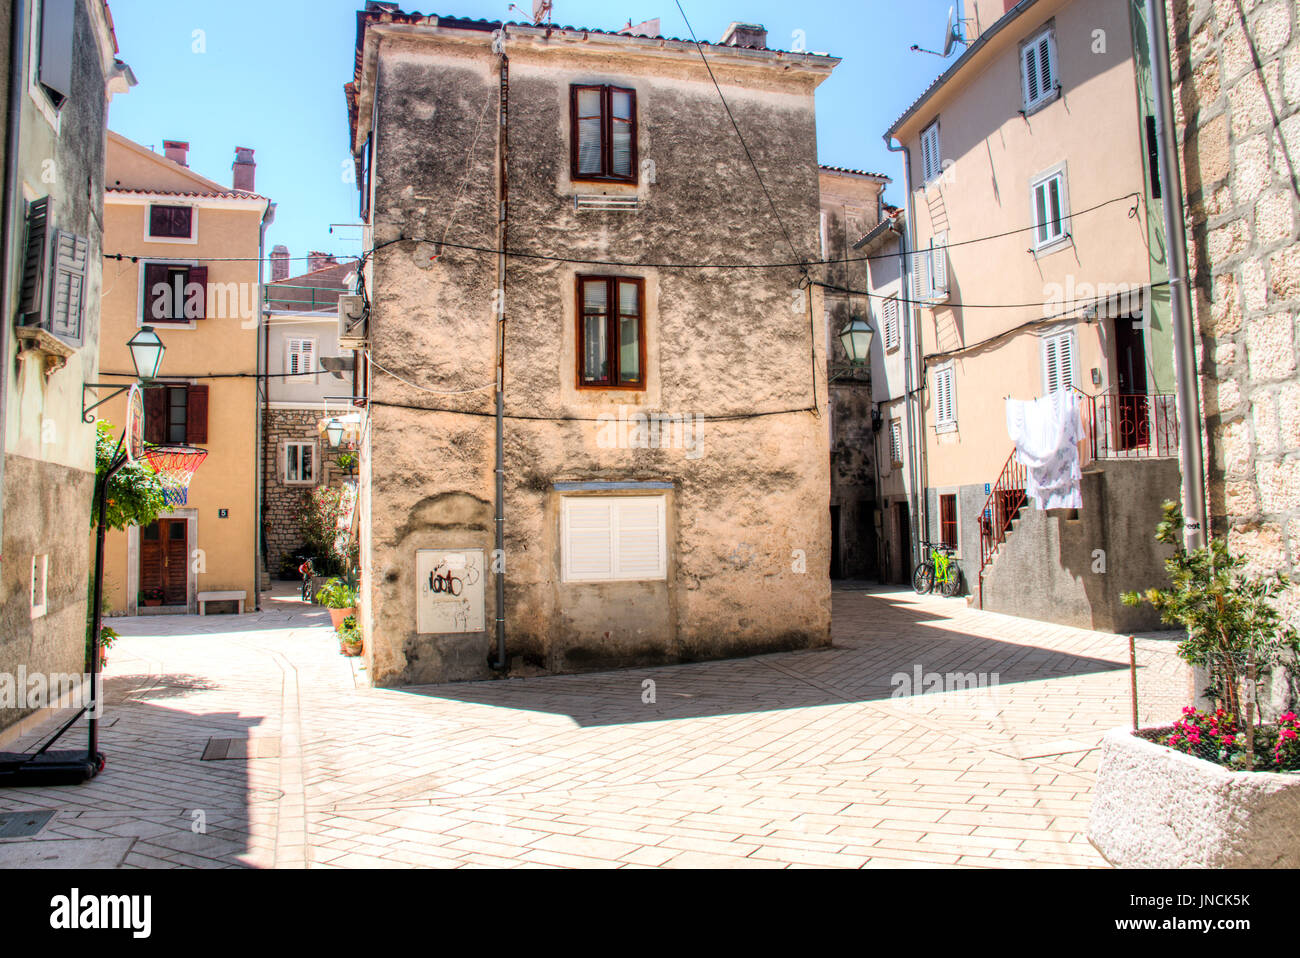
(937, 569)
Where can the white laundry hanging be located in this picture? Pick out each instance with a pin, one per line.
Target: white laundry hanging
(1046, 432)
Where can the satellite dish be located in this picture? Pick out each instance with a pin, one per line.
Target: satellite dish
(952, 32)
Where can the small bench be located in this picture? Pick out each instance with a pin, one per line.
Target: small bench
(238, 595)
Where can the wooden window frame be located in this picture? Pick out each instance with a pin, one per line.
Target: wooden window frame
(611, 332)
(194, 273)
(158, 420)
(1062, 221)
(606, 175)
(189, 237)
(946, 522)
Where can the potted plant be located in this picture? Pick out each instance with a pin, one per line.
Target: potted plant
(350, 637)
(347, 462)
(154, 597)
(339, 598)
(1218, 788)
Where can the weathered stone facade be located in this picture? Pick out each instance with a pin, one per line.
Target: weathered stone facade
(283, 501)
(1237, 98)
(746, 529)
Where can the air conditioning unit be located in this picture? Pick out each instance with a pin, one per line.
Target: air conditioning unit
(352, 322)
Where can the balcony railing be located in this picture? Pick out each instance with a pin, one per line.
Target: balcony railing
(1127, 426)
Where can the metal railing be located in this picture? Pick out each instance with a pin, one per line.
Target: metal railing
(1004, 503)
(1129, 426)
(321, 298)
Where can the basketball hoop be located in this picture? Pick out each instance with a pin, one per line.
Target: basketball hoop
(175, 466)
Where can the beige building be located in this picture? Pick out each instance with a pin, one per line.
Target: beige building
(1037, 268)
(665, 437)
(185, 253)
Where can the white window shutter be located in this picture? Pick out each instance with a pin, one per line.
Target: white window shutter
(919, 284)
(939, 265)
(1045, 66)
(588, 539)
(639, 545)
(1029, 68)
(891, 323)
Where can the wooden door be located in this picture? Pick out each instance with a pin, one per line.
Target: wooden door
(164, 558)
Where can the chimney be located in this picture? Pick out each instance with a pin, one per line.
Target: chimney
(750, 35)
(317, 260)
(176, 151)
(279, 263)
(245, 170)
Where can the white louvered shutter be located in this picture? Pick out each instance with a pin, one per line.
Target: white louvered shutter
(945, 400)
(1038, 69)
(931, 165)
(301, 356)
(896, 442)
(1058, 362)
(891, 323)
(919, 281)
(939, 266)
(613, 538)
(71, 253)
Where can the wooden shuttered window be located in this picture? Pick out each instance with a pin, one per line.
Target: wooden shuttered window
(603, 134)
(896, 443)
(931, 164)
(939, 266)
(31, 306)
(174, 293)
(619, 538)
(176, 413)
(300, 356)
(891, 324)
(948, 521)
(57, 23)
(611, 332)
(1038, 69)
(68, 286)
(1058, 362)
(945, 397)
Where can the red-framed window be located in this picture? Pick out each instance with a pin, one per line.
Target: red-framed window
(603, 131)
(611, 332)
(948, 521)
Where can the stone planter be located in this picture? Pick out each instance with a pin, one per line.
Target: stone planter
(1155, 807)
(338, 615)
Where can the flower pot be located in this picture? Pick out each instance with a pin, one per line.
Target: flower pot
(350, 649)
(153, 602)
(1156, 807)
(338, 615)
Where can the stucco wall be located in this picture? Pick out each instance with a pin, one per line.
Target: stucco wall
(1071, 570)
(49, 452)
(720, 344)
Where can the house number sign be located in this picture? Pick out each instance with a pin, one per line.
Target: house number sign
(450, 591)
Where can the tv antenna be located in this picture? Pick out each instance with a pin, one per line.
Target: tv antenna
(952, 35)
(541, 10)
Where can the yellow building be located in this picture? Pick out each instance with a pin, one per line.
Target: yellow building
(188, 253)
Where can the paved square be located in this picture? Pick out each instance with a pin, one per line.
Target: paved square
(853, 756)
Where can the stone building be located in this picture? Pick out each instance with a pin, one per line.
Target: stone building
(52, 212)
(851, 205)
(698, 532)
(1237, 103)
(301, 330)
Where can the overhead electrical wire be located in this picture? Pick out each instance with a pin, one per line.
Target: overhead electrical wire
(524, 254)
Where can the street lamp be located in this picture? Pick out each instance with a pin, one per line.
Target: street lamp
(335, 433)
(146, 353)
(856, 339)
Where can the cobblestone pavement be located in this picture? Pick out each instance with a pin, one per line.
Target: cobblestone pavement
(841, 757)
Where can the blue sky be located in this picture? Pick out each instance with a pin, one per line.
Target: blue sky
(271, 73)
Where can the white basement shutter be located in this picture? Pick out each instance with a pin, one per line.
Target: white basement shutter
(613, 538)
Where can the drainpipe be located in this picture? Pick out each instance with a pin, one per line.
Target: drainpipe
(503, 196)
(1171, 184)
(259, 390)
(9, 221)
(915, 436)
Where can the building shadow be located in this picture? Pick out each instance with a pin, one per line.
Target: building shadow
(881, 643)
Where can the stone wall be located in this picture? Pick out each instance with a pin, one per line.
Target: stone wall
(283, 503)
(1237, 95)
